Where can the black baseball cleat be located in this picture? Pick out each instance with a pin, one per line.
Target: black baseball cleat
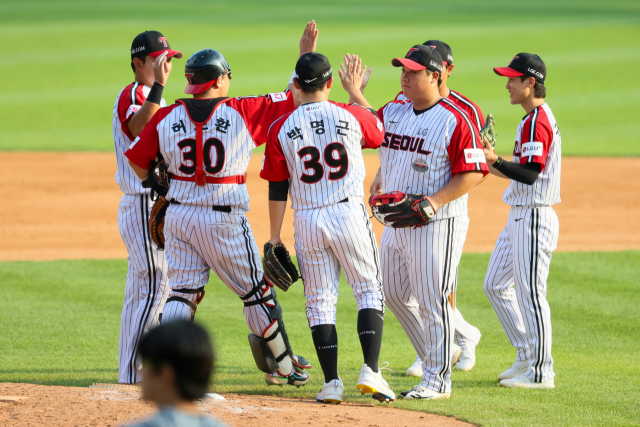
(297, 377)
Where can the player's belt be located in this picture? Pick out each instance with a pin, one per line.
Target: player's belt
(217, 208)
(235, 179)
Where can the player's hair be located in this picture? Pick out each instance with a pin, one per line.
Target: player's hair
(143, 58)
(185, 347)
(439, 76)
(539, 90)
(307, 88)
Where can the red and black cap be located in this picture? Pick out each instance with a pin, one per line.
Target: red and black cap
(313, 68)
(152, 43)
(420, 57)
(443, 49)
(202, 68)
(524, 64)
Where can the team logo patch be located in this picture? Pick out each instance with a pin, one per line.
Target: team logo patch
(474, 155)
(420, 165)
(278, 96)
(313, 108)
(532, 149)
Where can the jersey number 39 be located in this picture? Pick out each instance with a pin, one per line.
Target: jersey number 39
(335, 156)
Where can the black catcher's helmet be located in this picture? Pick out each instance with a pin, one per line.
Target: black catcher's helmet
(203, 68)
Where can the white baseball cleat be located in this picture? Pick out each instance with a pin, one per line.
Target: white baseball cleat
(415, 370)
(420, 392)
(523, 381)
(467, 359)
(372, 382)
(456, 351)
(331, 392)
(517, 369)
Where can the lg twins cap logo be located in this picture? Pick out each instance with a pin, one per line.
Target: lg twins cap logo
(474, 155)
(532, 149)
(413, 49)
(514, 58)
(163, 40)
(432, 47)
(189, 77)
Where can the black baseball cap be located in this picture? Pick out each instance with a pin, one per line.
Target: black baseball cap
(313, 68)
(420, 57)
(443, 49)
(152, 43)
(524, 64)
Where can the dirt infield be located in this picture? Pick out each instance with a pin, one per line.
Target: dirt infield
(64, 206)
(37, 405)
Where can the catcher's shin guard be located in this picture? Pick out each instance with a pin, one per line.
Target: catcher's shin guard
(182, 307)
(272, 352)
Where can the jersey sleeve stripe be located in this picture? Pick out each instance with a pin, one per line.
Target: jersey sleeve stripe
(532, 132)
(132, 93)
(471, 105)
(471, 128)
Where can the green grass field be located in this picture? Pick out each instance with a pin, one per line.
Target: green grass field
(64, 62)
(61, 323)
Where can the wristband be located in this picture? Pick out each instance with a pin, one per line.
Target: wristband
(294, 75)
(155, 94)
(498, 163)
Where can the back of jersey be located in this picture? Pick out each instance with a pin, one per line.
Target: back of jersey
(318, 148)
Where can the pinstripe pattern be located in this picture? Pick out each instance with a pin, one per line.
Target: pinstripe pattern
(546, 190)
(331, 237)
(419, 270)
(198, 240)
(147, 286)
(516, 285)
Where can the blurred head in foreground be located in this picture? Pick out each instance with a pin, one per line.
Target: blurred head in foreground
(177, 361)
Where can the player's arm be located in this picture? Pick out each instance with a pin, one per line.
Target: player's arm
(524, 173)
(376, 186)
(144, 149)
(459, 185)
(151, 105)
(351, 75)
(278, 191)
(307, 44)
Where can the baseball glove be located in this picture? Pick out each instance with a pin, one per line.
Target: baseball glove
(400, 210)
(158, 179)
(156, 221)
(488, 131)
(279, 270)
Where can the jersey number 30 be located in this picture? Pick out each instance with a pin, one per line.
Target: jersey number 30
(341, 162)
(190, 156)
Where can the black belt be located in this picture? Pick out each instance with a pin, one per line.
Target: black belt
(344, 200)
(225, 209)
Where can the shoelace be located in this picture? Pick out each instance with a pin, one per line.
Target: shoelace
(385, 366)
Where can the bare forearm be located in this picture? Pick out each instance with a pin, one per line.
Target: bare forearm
(277, 209)
(140, 118)
(356, 96)
(494, 171)
(459, 185)
(141, 172)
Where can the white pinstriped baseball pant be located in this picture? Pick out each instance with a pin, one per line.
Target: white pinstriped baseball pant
(420, 269)
(147, 286)
(198, 240)
(516, 285)
(331, 237)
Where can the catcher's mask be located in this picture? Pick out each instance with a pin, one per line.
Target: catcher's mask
(202, 68)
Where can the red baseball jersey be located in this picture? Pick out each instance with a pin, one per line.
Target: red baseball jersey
(127, 103)
(422, 152)
(462, 102)
(318, 149)
(537, 141)
(233, 129)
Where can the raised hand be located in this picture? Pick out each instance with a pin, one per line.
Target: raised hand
(161, 69)
(309, 38)
(351, 73)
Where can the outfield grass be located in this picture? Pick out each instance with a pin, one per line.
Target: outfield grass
(64, 62)
(60, 324)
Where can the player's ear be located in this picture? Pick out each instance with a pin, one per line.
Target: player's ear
(329, 82)
(295, 83)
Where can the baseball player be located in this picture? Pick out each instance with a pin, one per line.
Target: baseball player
(466, 336)
(315, 154)
(146, 289)
(431, 148)
(206, 142)
(516, 281)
